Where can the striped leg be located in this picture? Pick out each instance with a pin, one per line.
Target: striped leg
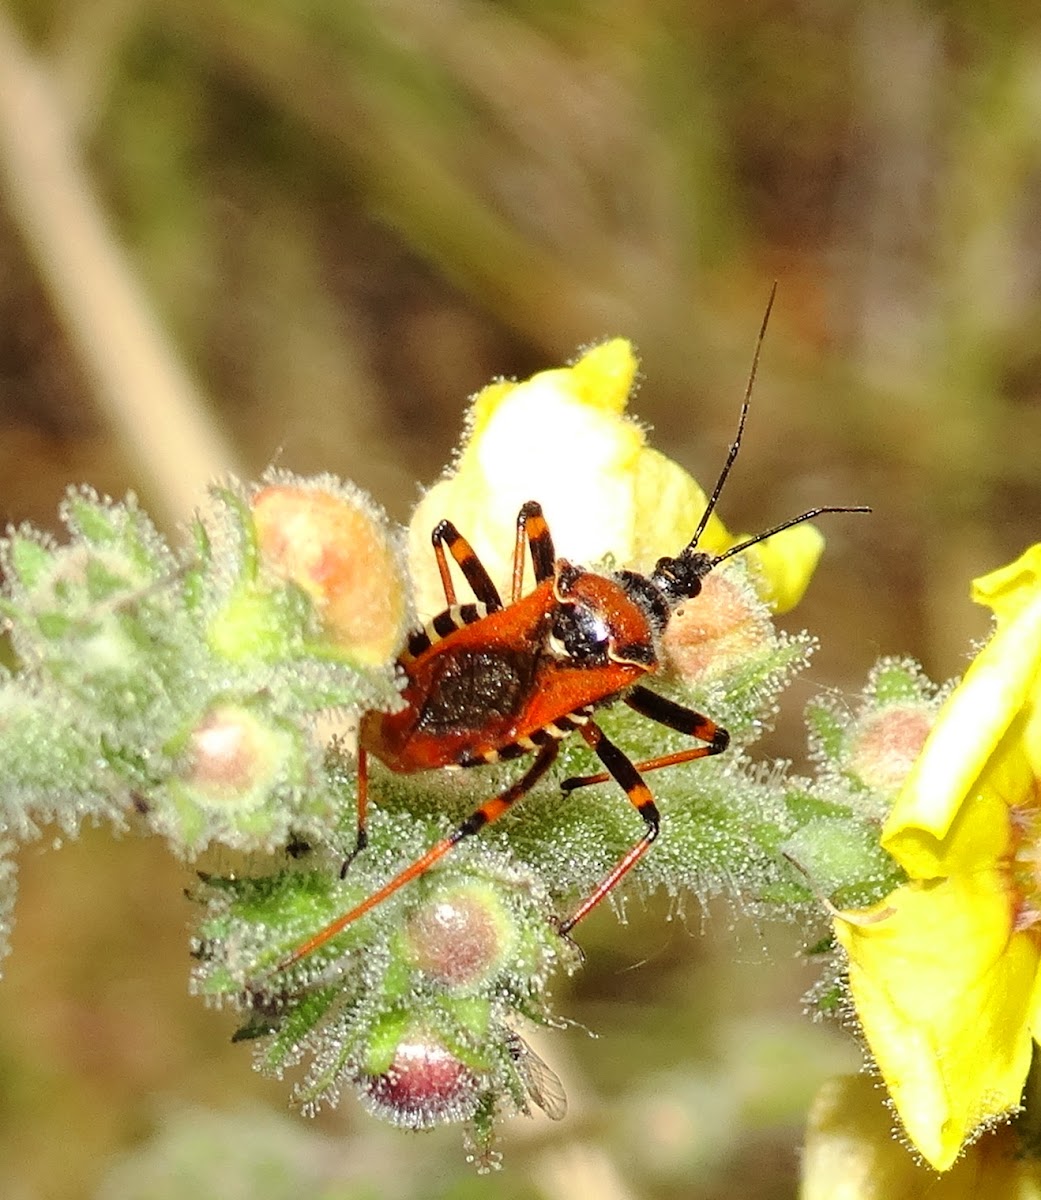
(491, 810)
(532, 528)
(628, 777)
(675, 716)
(446, 534)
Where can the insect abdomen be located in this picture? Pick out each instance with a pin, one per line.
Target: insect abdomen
(466, 693)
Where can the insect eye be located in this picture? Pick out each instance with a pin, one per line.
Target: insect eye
(578, 632)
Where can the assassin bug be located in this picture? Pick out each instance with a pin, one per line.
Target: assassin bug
(486, 682)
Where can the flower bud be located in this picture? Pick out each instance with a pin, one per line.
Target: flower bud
(460, 935)
(886, 743)
(336, 549)
(424, 1085)
(232, 756)
(723, 626)
(841, 857)
(232, 781)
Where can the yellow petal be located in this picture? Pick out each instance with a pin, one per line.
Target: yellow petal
(943, 989)
(785, 563)
(562, 438)
(970, 747)
(541, 444)
(602, 377)
(851, 1154)
(1030, 739)
(978, 835)
(1010, 589)
(670, 505)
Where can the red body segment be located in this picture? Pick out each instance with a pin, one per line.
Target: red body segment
(493, 683)
(513, 681)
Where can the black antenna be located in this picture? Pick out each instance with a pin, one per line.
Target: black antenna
(806, 516)
(735, 446)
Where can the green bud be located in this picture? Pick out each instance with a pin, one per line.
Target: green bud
(260, 623)
(29, 559)
(842, 858)
(239, 775)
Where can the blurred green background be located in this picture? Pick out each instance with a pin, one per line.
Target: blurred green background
(241, 231)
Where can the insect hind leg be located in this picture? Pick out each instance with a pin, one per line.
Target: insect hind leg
(491, 810)
(627, 775)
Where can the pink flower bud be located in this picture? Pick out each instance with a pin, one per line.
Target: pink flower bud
(232, 757)
(459, 935)
(722, 626)
(886, 744)
(425, 1085)
(337, 549)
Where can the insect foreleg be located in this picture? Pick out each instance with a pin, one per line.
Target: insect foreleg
(363, 811)
(532, 528)
(446, 534)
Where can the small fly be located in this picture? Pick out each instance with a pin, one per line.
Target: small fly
(540, 1081)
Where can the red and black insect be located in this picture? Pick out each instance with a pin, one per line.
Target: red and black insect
(488, 681)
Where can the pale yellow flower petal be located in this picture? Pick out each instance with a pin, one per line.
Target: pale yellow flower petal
(1012, 588)
(966, 741)
(581, 475)
(943, 989)
(670, 505)
(784, 564)
(561, 438)
(851, 1153)
(603, 378)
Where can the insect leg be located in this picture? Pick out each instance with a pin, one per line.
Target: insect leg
(628, 777)
(532, 527)
(363, 811)
(446, 534)
(488, 812)
(675, 716)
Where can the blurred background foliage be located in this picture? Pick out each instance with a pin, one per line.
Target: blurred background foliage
(239, 231)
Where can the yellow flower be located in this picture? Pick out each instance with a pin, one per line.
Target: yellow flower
(562, 438)
(944, 971)
(850, 1154)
